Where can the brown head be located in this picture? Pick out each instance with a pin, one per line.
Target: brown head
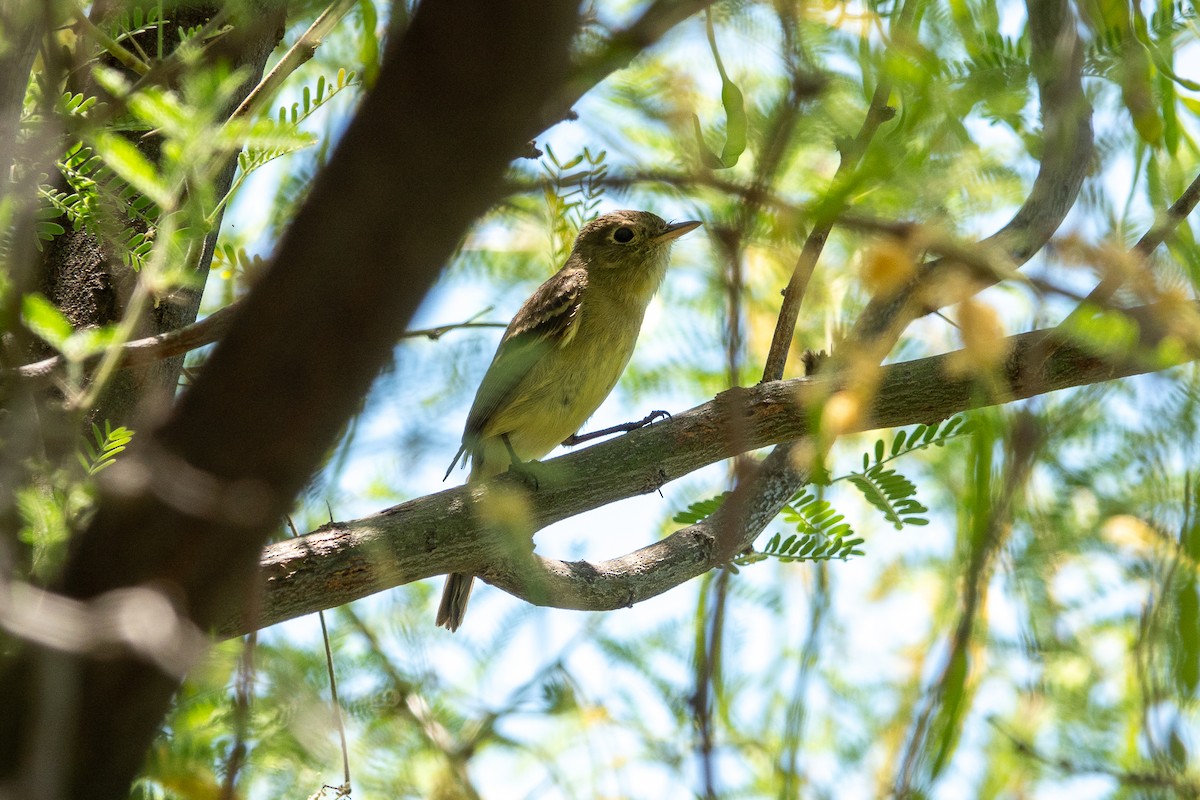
(629, 246)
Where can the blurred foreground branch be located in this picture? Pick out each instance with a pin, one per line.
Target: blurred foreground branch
(197, 497)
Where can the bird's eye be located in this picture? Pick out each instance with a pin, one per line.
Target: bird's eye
(623, 235)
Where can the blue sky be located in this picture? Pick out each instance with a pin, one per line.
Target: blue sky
(876, 633)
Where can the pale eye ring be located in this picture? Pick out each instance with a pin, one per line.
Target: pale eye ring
(623, 235)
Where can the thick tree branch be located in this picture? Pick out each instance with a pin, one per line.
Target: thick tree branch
(442, 533)
(188, 508)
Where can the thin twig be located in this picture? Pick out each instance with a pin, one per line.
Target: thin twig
(201, 333)
(985, 534)
(241, 717)
(411, 705)
(793, 731)
(110, 45)
(708, 679)
(1111, 282)
(298, 54)
(623, 46)
(333, 692)
(759, 195)
(1180, 783)
(337, 708)
(878, 112)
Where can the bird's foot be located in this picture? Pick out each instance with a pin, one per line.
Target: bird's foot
(626, 427)
(653, 417)
(529, 472)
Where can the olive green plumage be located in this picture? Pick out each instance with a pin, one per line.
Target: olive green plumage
(563, 353)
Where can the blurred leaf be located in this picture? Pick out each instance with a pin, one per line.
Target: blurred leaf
(700, 510)
(45, 320)
(128, 162)
(368, 46)
(735, 115)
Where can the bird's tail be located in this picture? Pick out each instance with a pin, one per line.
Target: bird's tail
(454, 600)
(458, 584)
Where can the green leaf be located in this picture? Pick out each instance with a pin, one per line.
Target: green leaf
(888, 491)
(735, 122)
(820, 533)
(88, 342)
(707, 157)
(129, 163)
(45, 321)
(734, 104)
(109, 444)
(46, 231)
(368, 45)
(700, 510)
(947, 727)
(1187, 634)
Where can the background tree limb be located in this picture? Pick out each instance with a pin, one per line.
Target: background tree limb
(1057, 62)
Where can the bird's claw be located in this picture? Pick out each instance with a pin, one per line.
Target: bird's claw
(527, 472)
(654, 416)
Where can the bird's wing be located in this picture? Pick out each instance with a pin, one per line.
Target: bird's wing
(528, 337)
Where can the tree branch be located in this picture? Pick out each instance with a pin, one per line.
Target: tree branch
(190, 505)
(84, 279)
(199, 334)
(1057, 58)
(1103, 292)
(621, 48)
(936, 722)
(297, 55)
(1057, 61)
(442, 532)
(852, 152)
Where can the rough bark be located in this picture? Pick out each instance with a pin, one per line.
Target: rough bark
(87, 280)
(443, 532)
(188, 509)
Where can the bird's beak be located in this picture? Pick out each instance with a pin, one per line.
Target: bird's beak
(677, 229)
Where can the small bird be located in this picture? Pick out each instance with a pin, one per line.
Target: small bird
(563, 353)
